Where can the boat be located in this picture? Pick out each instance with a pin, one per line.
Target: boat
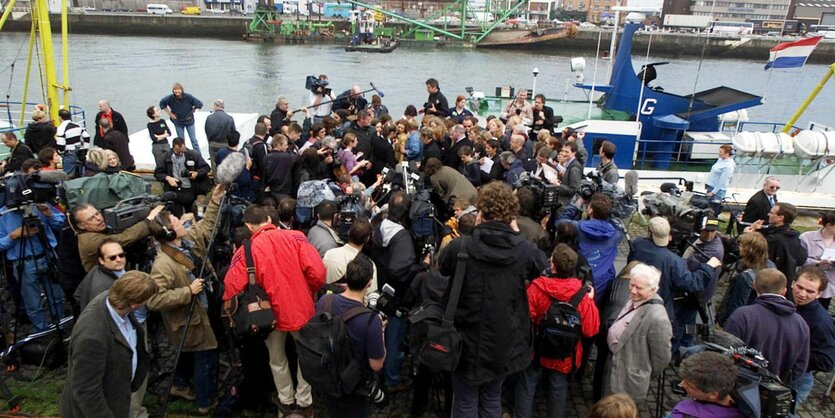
(538, 36)
(380, 45)
(368, 34)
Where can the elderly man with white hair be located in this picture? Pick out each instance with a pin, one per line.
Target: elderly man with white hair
(639, 338)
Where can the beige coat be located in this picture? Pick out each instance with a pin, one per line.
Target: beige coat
(89, 242)
(174, 297)
(452, 185)
(643, 353)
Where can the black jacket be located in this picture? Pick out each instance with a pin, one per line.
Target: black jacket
(20, 154)
(194, 162)
(39, 135)
(431, 150)
(119, 143)
(785, 250)
(451, 158)
(365, 138)
(278, 118)
(492, 314)
(99, 380)
(570, 181)
(393, 252)
(97, 280)
(756, 209)
(547, 122)
(281, 173)
(441, 104)
(118, 124)
(344, 101)
(382, 155)
(257, 150)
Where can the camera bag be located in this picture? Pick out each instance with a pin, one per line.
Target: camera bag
(561, 329)
(435, 342)
(249, 314)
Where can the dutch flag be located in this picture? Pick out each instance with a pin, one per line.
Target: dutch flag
(791, 54)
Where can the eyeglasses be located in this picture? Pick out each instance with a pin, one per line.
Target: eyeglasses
(774, 187)
(115, 256)
(94, 216)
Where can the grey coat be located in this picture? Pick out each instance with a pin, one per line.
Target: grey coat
(99, 372)
(98, 280)
(644, 351)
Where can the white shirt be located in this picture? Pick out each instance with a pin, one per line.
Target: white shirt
(128, 331)
(336, 262)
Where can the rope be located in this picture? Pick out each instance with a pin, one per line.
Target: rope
(699, 68)
(644, 77)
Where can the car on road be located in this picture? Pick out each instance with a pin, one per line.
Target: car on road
(217, 11)
(190, 10)
(588, 25)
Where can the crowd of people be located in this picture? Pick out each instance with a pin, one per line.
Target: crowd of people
(526, 264)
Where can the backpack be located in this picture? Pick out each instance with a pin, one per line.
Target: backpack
(422, 214)
(309, 195)
(249, 314)
(327, 358)
(561, 329)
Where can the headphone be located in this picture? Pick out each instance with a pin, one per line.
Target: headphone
(170, 235)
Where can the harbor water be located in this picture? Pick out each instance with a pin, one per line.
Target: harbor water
(135, 72)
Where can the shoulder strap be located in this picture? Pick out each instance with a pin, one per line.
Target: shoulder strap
(575, 300)
(458, 281)
(353, 312)
(177, 256)
(250, 263)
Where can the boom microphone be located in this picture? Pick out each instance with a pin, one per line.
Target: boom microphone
(630, 183)
(380, 92)
(50, 176)
(230, 168)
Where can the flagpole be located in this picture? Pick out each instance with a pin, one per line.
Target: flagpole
(809, 99)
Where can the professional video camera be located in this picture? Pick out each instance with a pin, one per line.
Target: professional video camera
(349, 208)
(315, 85)
(758, 392)
(623, 205)
(683, 210)
(129, 212)
(546, 195)
(21, 189)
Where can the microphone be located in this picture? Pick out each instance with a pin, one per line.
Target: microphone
(51, 176)
(230, 168)
(380, 92)
(630, 183)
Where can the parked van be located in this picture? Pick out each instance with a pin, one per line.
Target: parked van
(159, 9)
(190, 10)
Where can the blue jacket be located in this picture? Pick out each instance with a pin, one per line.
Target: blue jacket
(183, 107)
(598, 241)
(822, 334)
(10, 221)
(511, 176)
(414, 147)
(720, 176)
(772, 326)
(244, 180)
(674, 272)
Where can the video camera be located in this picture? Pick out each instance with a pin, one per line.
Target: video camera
(546, 195)
(317, 86)
(349, 209)
(683, 210)
(757, 392)
(129, 212)
(21, 189)
(623, 206)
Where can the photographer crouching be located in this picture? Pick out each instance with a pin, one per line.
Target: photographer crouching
(184, 172)
(709, 379)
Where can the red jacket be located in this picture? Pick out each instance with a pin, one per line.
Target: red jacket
(287, 267)
(540, 294)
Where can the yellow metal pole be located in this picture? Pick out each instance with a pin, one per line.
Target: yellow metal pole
(32, 37)
(49, 64)
(809, 100)
(65, 56)
(6, 13)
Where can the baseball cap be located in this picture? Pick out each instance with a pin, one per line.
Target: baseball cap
(710, 223)
(659, 227)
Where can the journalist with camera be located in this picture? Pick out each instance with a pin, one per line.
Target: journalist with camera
(20, 152)
(92, 231)
(28, 237)
(184, 172)
(708, 378)
(319, 93)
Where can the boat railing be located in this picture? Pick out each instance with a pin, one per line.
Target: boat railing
(760, 126)
(11, 112)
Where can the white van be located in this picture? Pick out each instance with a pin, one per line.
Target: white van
(159, 9)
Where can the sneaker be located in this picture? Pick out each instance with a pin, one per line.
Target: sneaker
(285, 409)
(208, 409)
(182, 393)
(307, 411)
(400, 387)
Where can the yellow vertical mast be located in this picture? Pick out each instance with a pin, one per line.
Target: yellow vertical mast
(40, 17)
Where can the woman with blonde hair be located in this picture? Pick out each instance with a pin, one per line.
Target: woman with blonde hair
(102, 161)
(39, 133)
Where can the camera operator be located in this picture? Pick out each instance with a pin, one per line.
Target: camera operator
(519, 106)
(28, 257)
(709, 379)
(393, 252)
(366, 331)
(449, 184)
(89, 224)
(19, 153)
(185, 172)
(772, 326)
(597, 238)
(810, 283)
(687, 305)
(290, 280)
(675, 276)
(323, 235)
(531, 229)
(436, 104)
(351, 101)
(174, 271)
(321, 93)
(336, 260)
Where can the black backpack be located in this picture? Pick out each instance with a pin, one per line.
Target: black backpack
(327, 357)
(561, 329)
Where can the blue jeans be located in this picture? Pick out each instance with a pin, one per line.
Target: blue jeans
(803, 386)
(70, 161)
(200, 364)
(395, 334)
(180, 127)
(483, 401)
(526, 390)
(32, 280)
(716, 200)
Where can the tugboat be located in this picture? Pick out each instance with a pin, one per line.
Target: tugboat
(366, 38)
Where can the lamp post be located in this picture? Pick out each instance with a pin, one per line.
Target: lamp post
(535, 73)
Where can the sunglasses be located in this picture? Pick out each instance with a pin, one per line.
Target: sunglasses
(115, 256)
(774, 187)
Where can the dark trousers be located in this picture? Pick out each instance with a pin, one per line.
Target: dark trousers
(600, 366)
(184, 201)
(201, 366)
(483, 401)
(347, 406)
(424, 382)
